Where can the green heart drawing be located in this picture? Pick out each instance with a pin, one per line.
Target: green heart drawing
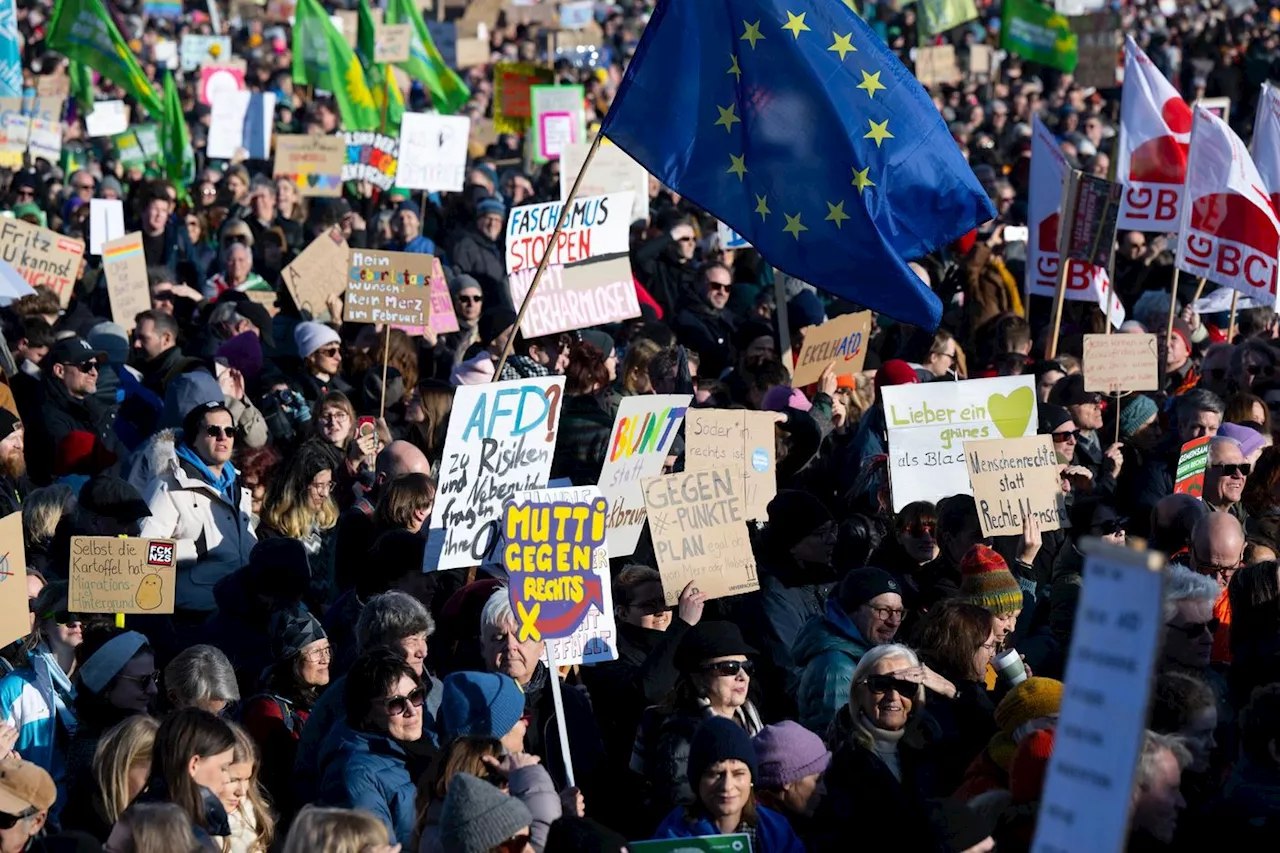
(313, 179)
(1011, 412)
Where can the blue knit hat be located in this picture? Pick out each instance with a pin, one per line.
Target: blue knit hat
(1136, 412)
(720, 739)
(480, 705)
(491, 205)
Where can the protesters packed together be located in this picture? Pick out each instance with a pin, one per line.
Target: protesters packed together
(316, 683)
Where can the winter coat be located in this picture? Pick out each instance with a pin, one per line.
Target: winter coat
(215, 814)
(530, 785)
(965, 725)
(772, 832)
(481, 258)
(586, 424)
(29, 700)
(708, 332)
(60, 415)
(542, 737)
(773, 620)
(827, 651)
(365, 770)
(276, 725)
(1154, 482)
(658, 268)
(214, 537)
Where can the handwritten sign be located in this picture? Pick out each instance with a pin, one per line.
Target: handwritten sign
(388, 287)
(699, 529)
(511, 98)
(107, 118)
(595, 226)
(13, 580)
(642, 435)
(929, 424)
(433, 152)
(1121, 363)
(936, 65)
(313, 163)
(842, 340)
(501, 438)
(1014, 478)
(742, 440)
(370, 157)
(219, 81)
(45, 140)
(110, 574)
(125, 266)
(1193, 461)
(594, 293)
(198, 50)
(391, 43)
(41, 256)
(321, 271)
(1103, 719)
(106, 222)
(558, 120)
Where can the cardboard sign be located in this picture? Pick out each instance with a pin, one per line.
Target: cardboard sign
(42, 256)
(1193, 461)
(642, 435)
(13, 579)
(1121, 363)
(472, 52)
(1098, 42)
(45, 140)
(107, 119)
(1221, 107)
(842, 340)
(388, 287)
(1093, 230)
(433, 152)
(980, 60)
(55, 85)
(1118, 630)
(742, 440)
(370, 157)
(699, 529)
(558, 120)
(929, 424)
(1012, 479)
(111, 574)
(501, 438)
(391, 43)
(577, 15)
(198, 50)
(936, 66)
(106, 222)
(595, 293)
(512, 109)
(612, 170)
(320, 271)
(125, 266)
(443, 320)
(350, 29)
(312, 162)
(594, 226)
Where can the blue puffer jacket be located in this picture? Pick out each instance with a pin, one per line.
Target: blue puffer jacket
(364, 770)
(773, 833)
(828, 649)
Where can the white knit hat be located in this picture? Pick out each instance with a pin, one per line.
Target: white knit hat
(310, 336)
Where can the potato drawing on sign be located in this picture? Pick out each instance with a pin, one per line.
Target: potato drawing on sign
(150, 593)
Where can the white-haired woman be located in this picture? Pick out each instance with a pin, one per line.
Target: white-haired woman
(202, 676)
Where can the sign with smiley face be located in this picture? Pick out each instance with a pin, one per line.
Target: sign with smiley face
(122, 575)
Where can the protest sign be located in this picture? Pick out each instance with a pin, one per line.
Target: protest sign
(391, 43)
(980, 60)
(319, 272)
(443, 320)
(348, 24)
(1013, 478)
(13, 579)
(928, 425)
(744, 441)
(501, 438)
(129, 150)
(472, 52)
(1121, 363)
(45, 140)
(114, 574)
(1193, 460)
(42, 256)
(1116, 637)
(370, 157)
(125, 267)
(642, 435)
(198, 50)
(576, 297)
(842, 340)
(107, 119)
(511, 96)
(576, 15)
(219, 81)
(704, 844)
(730, 239)
(106, 222)
(1220, 107)
(53, 85)
(433, 152)
(594, 226)
(612, 170)
(699, 530)
(1093, 228)
(445, 36)
(313, 163)
(936, 65)
(558, 119)
(241, 122)
(1098, 40)
(388, 287)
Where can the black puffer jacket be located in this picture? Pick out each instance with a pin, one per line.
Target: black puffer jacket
(586, 423)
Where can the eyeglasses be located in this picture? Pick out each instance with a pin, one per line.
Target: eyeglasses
(1196, 629)
(9, 821)
(64, 618)
(25, 191)
(322, 488)
(87, 367)
(515, 844)
(329, 352)
(886, 613)
(684, 239)
(398, 706)
(1264, 369)
(335, 416)
(1110, 528)
(715, 285)
(1232, 469)
(1008, 199)
(319, 655)
(729, 668)
(882, 684)
(144, 681)
(217, 432)
(470, 300)
(1069, 435)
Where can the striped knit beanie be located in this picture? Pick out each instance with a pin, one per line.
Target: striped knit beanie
(985, 580)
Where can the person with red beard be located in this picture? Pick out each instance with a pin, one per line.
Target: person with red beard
(14, 484)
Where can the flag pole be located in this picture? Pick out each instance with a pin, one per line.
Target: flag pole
(546, 255)
(1231, 327)
(1173, 301)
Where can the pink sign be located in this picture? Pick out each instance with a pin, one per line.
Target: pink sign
(443, 320)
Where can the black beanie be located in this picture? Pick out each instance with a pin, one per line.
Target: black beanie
(861, 585)
(793, 515)
(719, 739)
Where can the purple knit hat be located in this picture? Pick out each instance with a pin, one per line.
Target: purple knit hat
(788, 752)
(244, 353)
(779, 398)
(1249, 438)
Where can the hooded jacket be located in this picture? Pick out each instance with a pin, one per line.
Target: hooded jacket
(828, 650)
(365, 770)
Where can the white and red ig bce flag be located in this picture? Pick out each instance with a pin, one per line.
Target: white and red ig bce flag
(1266, 143)
(1229, 232)
(1155, 127)
(1085, 282)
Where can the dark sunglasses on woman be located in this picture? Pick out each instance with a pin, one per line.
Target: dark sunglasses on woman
(397, 706)
(729, 668)
(882, 684)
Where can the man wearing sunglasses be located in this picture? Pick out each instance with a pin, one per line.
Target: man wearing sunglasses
(27, 793)
(703, 324)
(1189, 621)
(70, 404)
(1225, 477)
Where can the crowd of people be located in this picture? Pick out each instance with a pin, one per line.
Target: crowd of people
(315, 690)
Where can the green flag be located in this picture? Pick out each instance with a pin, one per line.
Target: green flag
(82, 31)
(179, 159)
(938, 16)
(387, 96)
(81, 86)
(322, 58)
(1038, 34)
(448, 92)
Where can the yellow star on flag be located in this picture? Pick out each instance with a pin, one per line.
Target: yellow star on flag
(795, 24)
(843, 45)
(734, 69)
(836, 214)
(762, 207)
(752, 33)
(793, 226)
(727, 118)
(879, 131)
(861, 181)
(739, 166)
(871, 82)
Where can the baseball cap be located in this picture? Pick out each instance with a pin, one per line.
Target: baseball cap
(112, 497)
(74, 350)
(25, 785)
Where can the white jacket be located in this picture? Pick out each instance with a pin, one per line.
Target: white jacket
(214, 538)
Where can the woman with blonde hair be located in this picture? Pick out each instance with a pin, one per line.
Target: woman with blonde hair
(634, 376)
(300, 505)
(121, 765)
(41, 512)
(317, 830)
(153, 828)
(252, 825)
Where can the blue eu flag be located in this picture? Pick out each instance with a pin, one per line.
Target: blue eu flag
(793, 124)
